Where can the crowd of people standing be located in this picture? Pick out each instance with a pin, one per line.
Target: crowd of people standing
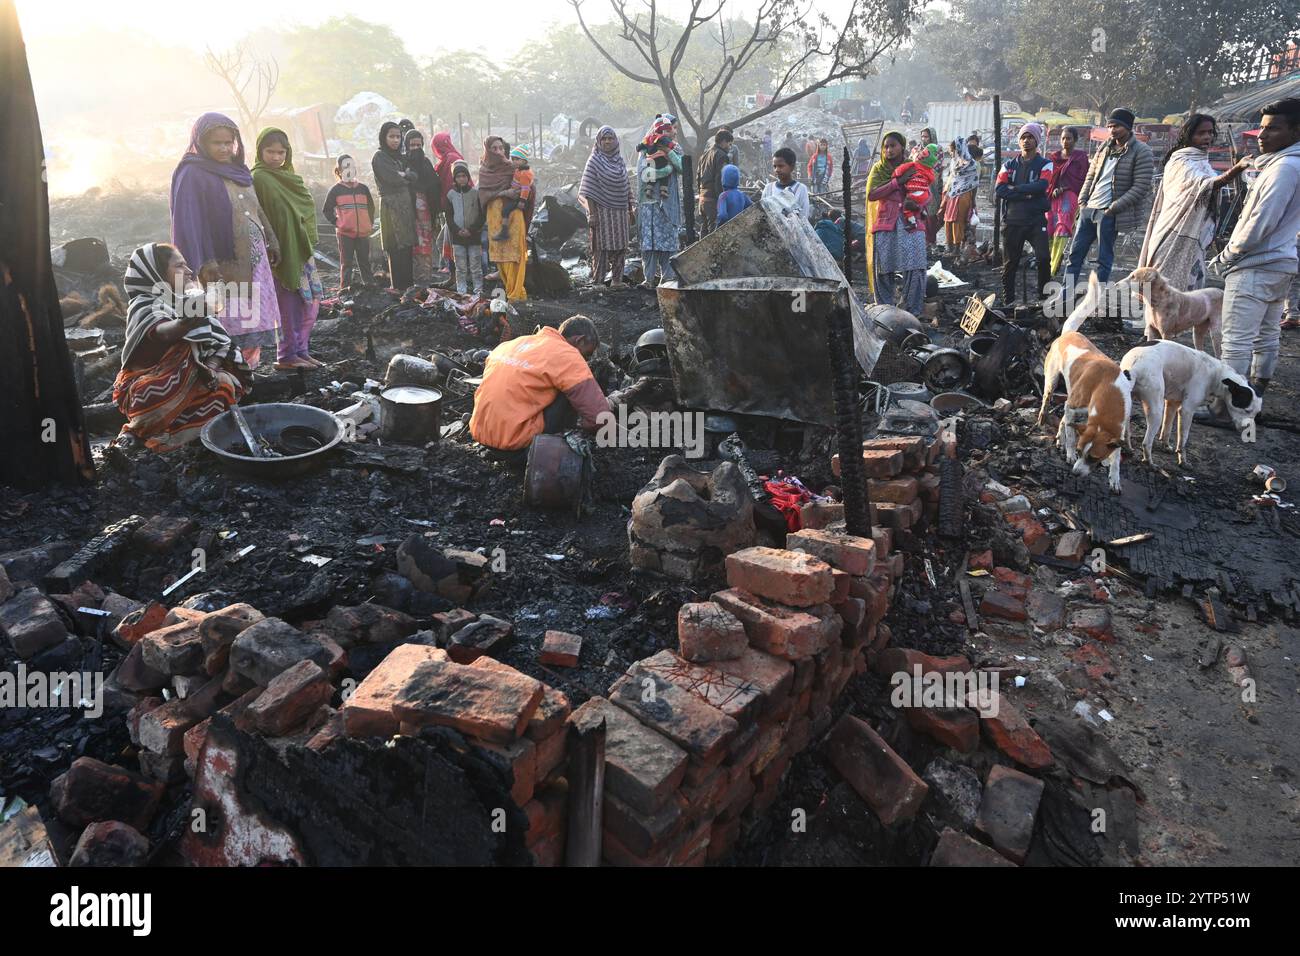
(250, 232)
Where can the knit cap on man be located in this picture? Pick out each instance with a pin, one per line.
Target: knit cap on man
(1122, 116)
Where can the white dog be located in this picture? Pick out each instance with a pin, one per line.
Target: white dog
(1171, 380)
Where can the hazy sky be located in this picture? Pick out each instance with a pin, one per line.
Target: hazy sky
(225, 21)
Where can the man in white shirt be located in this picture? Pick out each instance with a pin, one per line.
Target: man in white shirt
(786, 189)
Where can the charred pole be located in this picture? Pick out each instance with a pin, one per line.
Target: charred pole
(995, 254)
(846, 177)
(688, 196)
(41, 423)
(848, 417)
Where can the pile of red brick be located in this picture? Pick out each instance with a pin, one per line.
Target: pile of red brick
(515, 721)
(902, 479)
(699, 740)
(182, 666)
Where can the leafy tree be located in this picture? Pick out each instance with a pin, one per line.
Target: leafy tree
(916, 69)
(1194, 60)
(975, 44)
(557, 73)
(1101, 55)
(466, 83)
(345, 55)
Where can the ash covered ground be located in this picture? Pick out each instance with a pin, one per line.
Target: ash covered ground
(1199, 775)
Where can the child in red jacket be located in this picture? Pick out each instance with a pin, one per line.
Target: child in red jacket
(351, 208)
(820, 166)
(918, 178)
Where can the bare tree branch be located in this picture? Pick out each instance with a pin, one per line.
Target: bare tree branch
(822, 53)
(251, 79)
(612, 60)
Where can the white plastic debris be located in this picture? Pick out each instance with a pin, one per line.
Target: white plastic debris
(1084, 709)
(1105, 715)
(945, 278)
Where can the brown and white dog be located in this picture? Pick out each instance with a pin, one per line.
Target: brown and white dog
(1170, 312)
(1099, 397)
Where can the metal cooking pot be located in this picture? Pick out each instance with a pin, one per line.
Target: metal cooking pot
(410, 415)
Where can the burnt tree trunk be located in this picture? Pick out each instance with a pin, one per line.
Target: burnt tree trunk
(41, 429)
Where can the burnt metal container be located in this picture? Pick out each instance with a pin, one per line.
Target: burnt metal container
(555, 475)
(754, 346)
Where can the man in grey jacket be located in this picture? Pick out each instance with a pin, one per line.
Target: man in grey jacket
(1114, 194)
(1259, 261)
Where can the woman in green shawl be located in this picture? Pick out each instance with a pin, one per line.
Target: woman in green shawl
(289, 206)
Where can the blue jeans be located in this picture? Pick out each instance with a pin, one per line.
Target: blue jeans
(1085, 234)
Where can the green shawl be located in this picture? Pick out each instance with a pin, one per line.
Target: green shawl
(881, 173)
(289, 208)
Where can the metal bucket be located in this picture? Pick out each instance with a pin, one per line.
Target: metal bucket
(555, 475)
(411, 415)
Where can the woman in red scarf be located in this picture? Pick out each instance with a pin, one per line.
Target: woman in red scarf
(447, 156)
(1069, 168)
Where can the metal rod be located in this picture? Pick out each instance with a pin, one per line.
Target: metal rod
(254, 448)
(179, 581)
(325, 145)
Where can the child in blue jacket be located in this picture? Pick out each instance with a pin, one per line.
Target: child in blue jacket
(731, 201)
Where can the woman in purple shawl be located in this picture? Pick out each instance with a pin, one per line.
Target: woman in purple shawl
(219, 226)
(605, 192)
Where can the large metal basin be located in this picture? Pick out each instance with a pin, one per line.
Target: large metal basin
(270, 420)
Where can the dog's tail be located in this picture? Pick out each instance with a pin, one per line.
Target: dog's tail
(1086, 308)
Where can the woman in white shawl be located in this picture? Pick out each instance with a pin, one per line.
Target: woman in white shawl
(1182, 219)
(959, 195)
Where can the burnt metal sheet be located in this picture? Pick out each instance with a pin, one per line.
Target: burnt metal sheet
(768, 240)
(1192, 540)
(752, 346)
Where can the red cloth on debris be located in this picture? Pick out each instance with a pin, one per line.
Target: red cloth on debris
(788, 495)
